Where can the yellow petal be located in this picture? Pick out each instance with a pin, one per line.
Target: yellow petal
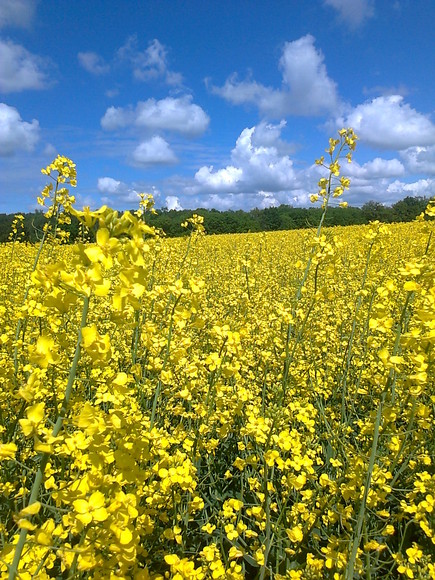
(30, 510)
(102, 236)
(35, 413)
(126, 536)
(26, 426)
(100, 514)
(102, 289)
(43, 537)
(94, 253)
(120, 379)
(7, 450)
(41, 447)
(26, 525)
(172, 559)
(81, 506)
(89, 335)
(84, 518)
(96, 500)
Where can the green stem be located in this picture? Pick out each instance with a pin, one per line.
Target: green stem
(165, 360)
(351, 338)
(357, 538)
(389, 387)
(26, 293)
(13, 570)
(267, 503)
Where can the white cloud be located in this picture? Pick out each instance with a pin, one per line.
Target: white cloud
(93, 63)
(178, 115)
(390, 123)
(306, 87)
(262, 174)
(225, 179)
(117, 118)
(267, 200)
(155, 151)
(172, 202)
(149, 64)
(119, 195)
(257, 164)
(269, 135)
(172, 114)
(17, 13)
(16, 134)
(311, 90)
(221, 202)
(376, 169)
(110, 185)
(19, 69)
(386, 191)
(352, 12)
(419, 159)
(422, 187)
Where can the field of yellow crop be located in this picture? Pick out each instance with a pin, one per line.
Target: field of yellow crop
(238, 406)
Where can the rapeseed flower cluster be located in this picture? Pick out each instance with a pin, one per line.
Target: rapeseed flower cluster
(242, 406)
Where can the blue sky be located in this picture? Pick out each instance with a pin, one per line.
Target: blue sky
(215, 104)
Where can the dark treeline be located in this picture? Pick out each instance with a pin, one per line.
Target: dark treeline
(283, 217)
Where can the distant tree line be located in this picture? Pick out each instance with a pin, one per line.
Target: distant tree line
(283, 217)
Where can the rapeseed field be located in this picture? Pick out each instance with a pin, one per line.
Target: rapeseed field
(237, 406)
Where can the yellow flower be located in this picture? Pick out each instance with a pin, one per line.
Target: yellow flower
(30, 510)
(295, 534)
(96, 345)
(7, 451)
(44, 352)
(35, 416)
(92, 509)
(208, 528)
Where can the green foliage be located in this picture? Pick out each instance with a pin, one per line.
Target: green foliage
(283, 217)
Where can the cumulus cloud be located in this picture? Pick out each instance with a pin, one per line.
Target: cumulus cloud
(257, 164)
(262, 174)
(16, 134)
(352, 13)
(306, 87)
(19, 69)
(116, 192)
(172, 202)
(390, 123)
(422, 187)
(150, 64)
(267, 199)
(119, 194)
(116, 118)
(17, 13)
(419, 159)
(225, 179)
(172, 114)
(110, 185)
(221, 202)
(93, 63)
(178, 115)
(155, 151)
(376, 169)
